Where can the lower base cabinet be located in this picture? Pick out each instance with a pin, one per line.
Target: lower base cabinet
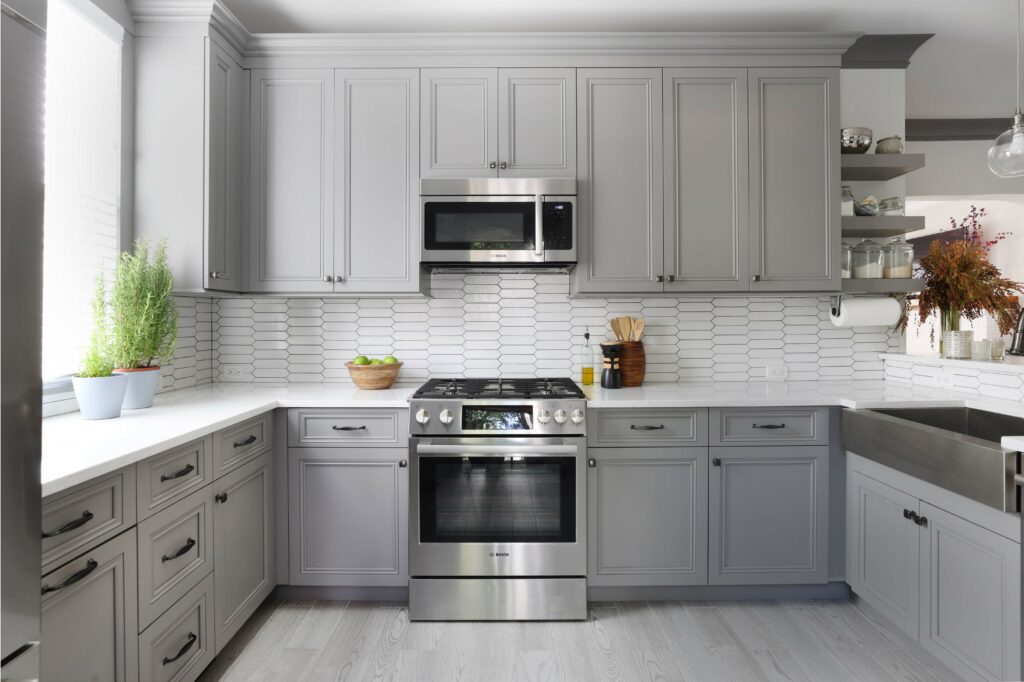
(768, 515)
(949, 583)
(89, 616)
(179, 644)
(647, 516)
(348, 516)
(243, 537)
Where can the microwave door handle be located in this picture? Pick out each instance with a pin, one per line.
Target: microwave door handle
(538, 226)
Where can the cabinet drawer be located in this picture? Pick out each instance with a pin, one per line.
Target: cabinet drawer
(175, 553)
(241, 443)
(166, 478)
(761, 425)
(179, 645)
(655, 427)
(77, 520)
(363, 428)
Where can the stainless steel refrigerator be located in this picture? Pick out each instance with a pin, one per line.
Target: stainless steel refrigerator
(22, 75)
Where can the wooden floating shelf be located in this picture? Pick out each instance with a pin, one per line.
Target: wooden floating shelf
(882, 286)
(881, 225)
(878, 166)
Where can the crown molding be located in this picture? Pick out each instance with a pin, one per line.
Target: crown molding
(188, 17)
(230, 26)
(893, 51)
(544, 44)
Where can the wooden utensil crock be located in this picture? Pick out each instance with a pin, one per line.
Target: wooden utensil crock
(633, 363)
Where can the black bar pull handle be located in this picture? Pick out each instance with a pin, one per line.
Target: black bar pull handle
(177, 474)
(769, 426)
(921, 520)
(646, 427)
(181, 550)
(221, 497)
(717, 462)
(183, 650)
(349, 428)
(907, 514)
(90, 566)
(85, 518)
(248, 441)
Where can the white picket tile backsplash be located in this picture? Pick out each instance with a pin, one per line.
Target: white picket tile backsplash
(525, 325)
(984, 379)
(194, 355)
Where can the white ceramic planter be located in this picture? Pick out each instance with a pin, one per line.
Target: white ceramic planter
(142, 385)
(100, 397)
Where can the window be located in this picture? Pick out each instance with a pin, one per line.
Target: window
(82, 223)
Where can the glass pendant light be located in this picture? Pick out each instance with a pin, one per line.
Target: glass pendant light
(1006, 155)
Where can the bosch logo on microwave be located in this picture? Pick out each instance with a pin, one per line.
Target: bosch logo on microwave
(499, 554)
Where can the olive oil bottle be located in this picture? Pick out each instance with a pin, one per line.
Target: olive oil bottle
(585, 357)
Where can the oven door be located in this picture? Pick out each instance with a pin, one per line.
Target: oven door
(499, 229)
(497, 507)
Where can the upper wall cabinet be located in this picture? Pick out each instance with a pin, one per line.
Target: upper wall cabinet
(334, 191)
(190, 121)
(498, 122)
(620, 181)
(794, 179)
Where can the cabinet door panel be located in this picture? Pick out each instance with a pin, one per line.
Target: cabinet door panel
(970, 597)
(224, 128)
(348, 517)
(89, 627)
(794, 179)
(658, 537)
(537, 123)
(768, 516)
(377, 240)
(243, 555)
(620, 176)
(706, 209)
(292, 178)
(460, 126)
(882, 561)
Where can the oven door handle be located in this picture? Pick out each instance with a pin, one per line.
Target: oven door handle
(538, 226)
(494, 450)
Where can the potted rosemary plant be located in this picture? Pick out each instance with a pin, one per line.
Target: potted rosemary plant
(98, 390)
(144, 321)
(961, 282)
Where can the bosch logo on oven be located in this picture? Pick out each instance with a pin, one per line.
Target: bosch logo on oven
(499, 554)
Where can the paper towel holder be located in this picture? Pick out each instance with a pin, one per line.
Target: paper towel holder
(837, 303)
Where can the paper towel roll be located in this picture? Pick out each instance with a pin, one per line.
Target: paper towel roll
(867, 312)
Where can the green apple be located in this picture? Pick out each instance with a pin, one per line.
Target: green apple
(361, 360)
(391, 360)
(375, 361)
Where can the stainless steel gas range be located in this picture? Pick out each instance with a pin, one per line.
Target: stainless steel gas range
(498, 500)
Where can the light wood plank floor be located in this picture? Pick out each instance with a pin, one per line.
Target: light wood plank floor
(688, 641)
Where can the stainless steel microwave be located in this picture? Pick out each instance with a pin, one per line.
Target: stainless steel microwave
(499, 222)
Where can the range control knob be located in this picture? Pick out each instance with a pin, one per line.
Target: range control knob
(576, 416)
(422, 416)
(446, 417)
(543, 416)
(560, 416)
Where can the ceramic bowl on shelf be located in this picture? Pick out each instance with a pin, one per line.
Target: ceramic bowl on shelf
(856, 140)
(889, 145)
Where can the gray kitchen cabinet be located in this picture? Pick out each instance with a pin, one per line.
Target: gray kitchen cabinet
(244, 545)
(647, 516)
(291, 246)
(376, 190)
(498, 122)
(882, 549)
(768, 515)
(191, 116)
(970, 597)
(620, 224)
(178, 646)
(89, 617)
(348, 511)
(707, 234)
(794, 179)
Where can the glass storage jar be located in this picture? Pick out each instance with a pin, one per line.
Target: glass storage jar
(846, 202)
(846, 261)
(891, 206)
(867, 260)
(897, 259)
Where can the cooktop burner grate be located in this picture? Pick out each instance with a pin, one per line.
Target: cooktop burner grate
(499, 389)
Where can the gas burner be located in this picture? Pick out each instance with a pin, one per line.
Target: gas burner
(499, 389)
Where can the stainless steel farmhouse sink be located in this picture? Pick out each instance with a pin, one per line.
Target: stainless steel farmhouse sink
(956, 448)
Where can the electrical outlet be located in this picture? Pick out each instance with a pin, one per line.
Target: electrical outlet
(229, 372)
(776, 372)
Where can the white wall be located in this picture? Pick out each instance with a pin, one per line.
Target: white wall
(957, 168)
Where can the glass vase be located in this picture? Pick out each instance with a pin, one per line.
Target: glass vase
(954, 344)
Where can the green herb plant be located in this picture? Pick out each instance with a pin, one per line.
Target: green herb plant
(97, 361)
(144, 319)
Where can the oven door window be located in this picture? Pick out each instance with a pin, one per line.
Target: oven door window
(497, 499)
(479, 226)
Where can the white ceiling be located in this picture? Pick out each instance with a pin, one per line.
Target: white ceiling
(967, 70)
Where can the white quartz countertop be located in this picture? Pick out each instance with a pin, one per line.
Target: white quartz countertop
(1014, 443)
(75, 450)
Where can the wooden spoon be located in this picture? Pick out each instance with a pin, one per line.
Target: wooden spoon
(638, 328)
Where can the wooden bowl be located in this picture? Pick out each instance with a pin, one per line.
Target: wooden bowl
(373, 377)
